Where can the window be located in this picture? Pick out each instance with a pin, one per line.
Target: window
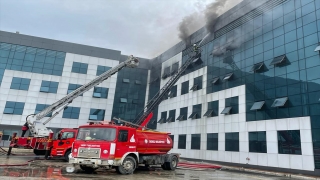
(100, 92)
(196, 112)
(163, 117)
(215, 80)
(257, 67)
(166, 73)
(123, 136)
(123, 100)
(182, 141)
(172, 116)
(227, 77)
(41, 107)
(212, 141)
(67, 135)
(279, 102)
(173, 92)
(317, 48)
(258, 142)
(232, 141)
(197, 83)
(96, 114)
(73, 87)
(137, 82)
(102, 69)
(79, 68)
(71, 112)
(49, 87)
(126, 80)
(228, 58)
(183, 114)
(135, 101)
(278, 60)
(172, 138)
(257, 105)
(174, 68)
(185, 87)
(213, 107)
(20, 83)
(231, 106)
(195, 141)
(13, 108)
(289, 142)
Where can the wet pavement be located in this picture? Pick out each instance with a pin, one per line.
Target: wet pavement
(55, 169)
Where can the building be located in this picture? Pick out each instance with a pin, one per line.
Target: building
(251, 100)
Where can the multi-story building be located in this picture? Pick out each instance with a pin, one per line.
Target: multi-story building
(251, 100)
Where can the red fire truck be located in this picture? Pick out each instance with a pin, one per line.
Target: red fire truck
(123, 147)
(42, 141)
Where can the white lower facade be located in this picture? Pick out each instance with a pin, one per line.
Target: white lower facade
(222, 124)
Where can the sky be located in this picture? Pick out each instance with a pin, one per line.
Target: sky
(143, 28)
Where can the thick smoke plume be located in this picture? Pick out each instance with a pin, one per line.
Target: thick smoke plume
(206, 17)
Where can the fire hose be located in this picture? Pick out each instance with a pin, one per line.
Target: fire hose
(187, 165)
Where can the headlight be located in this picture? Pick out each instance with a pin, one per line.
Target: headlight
(81, 151)
(96, 152)
(105, 151)
(75, 150)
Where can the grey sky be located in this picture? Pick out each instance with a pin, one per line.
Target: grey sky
(143, 28)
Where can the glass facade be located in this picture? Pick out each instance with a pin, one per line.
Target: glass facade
(20, 83)
(100, 92)
(134, 93)
(41, 107)
(73, 87)
(30, 59)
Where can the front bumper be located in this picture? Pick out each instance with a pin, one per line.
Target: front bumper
(92, 162)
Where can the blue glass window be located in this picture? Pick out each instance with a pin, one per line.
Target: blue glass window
(289, 142)
(310, 29)
(49, 87)
(196, 112)
(182, 141)
(102, 69)
(73, 87)
(41, 107)
(96, 114)
(212, 141)
(100, 92)
(13, 108)
(195, 141)
(258, 142)
(185, 87)
(79, 68)
(20, 83)
(232, 141)
(71, 112)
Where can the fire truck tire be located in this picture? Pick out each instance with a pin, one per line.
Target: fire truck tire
(164, 166)
(128, 166)
(87, 169)
(66, 155)
(172, 165)
(39, 152)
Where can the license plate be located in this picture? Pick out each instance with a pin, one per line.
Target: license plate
(86, 162)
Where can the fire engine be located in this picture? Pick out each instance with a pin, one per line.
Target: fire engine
(42, 141)
(123, 147)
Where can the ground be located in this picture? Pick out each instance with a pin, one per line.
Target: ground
(56, 169)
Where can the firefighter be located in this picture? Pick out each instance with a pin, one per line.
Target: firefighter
(195, 48)
(25, 128)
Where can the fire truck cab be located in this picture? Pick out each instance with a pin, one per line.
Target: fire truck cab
(62, 143)
(121, 147)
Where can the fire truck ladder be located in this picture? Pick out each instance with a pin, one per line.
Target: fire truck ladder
(156, 100)
(38, 129)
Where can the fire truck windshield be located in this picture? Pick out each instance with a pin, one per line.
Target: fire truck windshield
(89, 134)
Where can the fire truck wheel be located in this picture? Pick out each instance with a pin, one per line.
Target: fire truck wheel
(128, 166)
(172, 164)
(87, 169)
(66, 156)
(164, 166)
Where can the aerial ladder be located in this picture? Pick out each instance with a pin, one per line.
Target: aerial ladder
(144, 117)
(38, 129)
